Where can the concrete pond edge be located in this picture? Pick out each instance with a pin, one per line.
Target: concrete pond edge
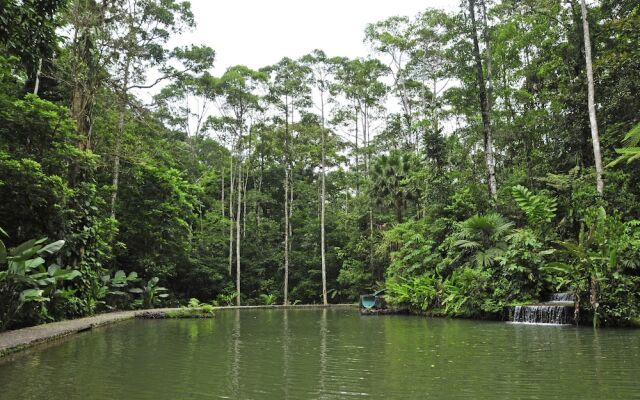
(21, 339)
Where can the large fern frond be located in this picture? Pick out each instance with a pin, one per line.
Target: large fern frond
(631, 151)
(537, 207)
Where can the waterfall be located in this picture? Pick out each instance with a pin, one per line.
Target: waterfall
(557, 311)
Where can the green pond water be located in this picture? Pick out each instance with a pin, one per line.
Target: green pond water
(327, 354)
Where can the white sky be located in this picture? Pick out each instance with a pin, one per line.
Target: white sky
(257, 33)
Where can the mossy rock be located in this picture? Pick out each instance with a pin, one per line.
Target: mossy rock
(177, 313)
(190, 313)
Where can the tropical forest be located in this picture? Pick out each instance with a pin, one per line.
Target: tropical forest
(475, 160)
(481, 164)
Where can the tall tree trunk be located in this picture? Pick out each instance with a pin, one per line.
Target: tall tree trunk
(434, 108)
(595, 139)
(116, 159)
(258, 202)
(222, 204)
(244, 204)
(36, 87)
(357, 114)
(322, 205)
(120, 132)
(489, 57)
(484, 105)
(291, 173)
(286, 234)
(238, 215)
(286, 205)
(231, 215)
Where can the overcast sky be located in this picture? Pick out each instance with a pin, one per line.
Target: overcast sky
(257, 33)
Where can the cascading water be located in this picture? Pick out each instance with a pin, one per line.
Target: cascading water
(557, 311)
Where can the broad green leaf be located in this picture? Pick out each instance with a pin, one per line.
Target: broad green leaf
(23, 247)
(32, 295)
(71, 275)
(557, 267)
(52, 248)
(53, 269)
(33, 263)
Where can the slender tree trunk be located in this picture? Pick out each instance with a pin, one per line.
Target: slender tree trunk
(286, 206)
(119, 134)
(231, 215)
(116, 160)
(595, 139)
(238, 215)
(434, 109)
(244, 204)
(322, 206)
(487, 43)
(484, 105)
(222, 205)
(357, 112)
(290, 210)
(286, 235)
(259, 204)
(36, 87)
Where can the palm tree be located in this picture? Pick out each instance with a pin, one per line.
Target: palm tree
(485, 236)
(388, 175)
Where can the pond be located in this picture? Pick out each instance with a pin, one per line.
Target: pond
(327, 354)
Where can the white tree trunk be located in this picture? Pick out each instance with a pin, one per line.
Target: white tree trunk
(322, 210)
(36, 87)
(222, 205)
(238, 215)
(231, 215)
(484, 106)
(593, 121)
(286, 205)
(286, 235)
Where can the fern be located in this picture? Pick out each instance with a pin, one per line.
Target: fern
(631, 151)
(537, 207)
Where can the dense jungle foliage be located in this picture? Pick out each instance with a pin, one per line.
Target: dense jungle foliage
(455, 166)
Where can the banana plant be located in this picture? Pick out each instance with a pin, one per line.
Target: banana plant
(151, 293)
(26, 277)
(115, 291)
(591, 259)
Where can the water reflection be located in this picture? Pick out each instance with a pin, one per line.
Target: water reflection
(235, 367)
(323, 351)
(327, 354)
(285, 352)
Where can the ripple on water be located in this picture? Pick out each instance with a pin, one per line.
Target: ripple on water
(331, 354)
